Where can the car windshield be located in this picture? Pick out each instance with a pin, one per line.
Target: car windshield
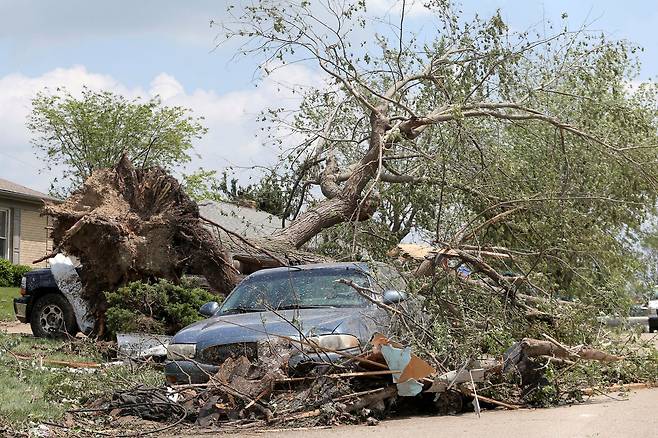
(296, 289)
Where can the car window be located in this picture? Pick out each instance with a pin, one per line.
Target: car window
(387, 277)
(297, 289)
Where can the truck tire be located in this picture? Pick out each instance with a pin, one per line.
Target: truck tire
(653, 324)
(52, 316)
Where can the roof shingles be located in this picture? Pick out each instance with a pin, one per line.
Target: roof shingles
(10, 188)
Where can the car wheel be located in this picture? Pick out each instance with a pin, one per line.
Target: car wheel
(52, 316)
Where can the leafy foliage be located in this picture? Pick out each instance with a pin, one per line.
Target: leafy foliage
(268, 194)
(80, 134)
(10, 274)
(542, 128)
(160, 307)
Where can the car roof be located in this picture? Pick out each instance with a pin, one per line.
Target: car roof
(360, 266)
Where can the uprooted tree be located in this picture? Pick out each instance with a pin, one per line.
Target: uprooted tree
(476, 138)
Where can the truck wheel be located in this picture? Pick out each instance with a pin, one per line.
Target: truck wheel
(52, 316)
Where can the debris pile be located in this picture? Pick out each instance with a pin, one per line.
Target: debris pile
(386, 379)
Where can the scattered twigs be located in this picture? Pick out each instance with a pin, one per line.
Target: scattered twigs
(342, 375)
(369, 295)
(230, 391)
(70, 364)
(180, 419)
(331, 350)
(470, 393)
(370, 399)
(263, 393)
(358, 394)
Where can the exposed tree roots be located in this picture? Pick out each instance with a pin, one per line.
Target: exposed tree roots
(128, 224)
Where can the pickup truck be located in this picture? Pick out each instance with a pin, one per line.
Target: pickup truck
(51, 301)
(44, 306)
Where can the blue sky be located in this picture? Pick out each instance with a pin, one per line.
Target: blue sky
(144, 47)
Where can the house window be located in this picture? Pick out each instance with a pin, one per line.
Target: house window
(4, 233)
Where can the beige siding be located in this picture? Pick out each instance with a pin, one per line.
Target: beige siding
(35, 242)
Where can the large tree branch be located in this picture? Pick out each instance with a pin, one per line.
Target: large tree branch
(511, 111)
(328, 180)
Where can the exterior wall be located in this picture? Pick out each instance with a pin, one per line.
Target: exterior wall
(35, 242)
(30, 232)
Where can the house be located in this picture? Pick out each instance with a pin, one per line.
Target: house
(24, 233)
(245, 221)
(252, 226)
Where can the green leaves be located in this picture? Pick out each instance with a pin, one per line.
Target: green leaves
(159, 307)
(80, 134)
(586, 183)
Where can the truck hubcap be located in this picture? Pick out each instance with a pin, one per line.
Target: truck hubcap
(52, 318)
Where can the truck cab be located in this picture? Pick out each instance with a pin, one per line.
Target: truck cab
(44, 306)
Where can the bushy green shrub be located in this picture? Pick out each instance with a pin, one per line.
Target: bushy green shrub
(19, 272)
(6, 273)
(10, 274)
(161, 307)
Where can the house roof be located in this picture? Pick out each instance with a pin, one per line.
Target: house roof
(255, 226)
(245, 221)
(16, 191)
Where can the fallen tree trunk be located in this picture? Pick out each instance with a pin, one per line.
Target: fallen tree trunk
(528, 357)
(537, 348)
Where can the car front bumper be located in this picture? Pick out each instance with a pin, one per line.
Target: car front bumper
(20, 308)
(182, 372)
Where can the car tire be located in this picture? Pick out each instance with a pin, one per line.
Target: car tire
(52, 316)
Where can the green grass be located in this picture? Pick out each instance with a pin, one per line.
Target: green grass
(30, 392)
(7, 295)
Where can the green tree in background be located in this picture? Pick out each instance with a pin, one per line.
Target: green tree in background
(81, 134)
(268, 194)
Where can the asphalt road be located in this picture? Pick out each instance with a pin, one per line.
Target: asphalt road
(633, 415)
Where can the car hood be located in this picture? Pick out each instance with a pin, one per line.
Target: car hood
(251, 327)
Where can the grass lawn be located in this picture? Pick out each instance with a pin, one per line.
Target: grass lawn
(7, 295)
(33, 391)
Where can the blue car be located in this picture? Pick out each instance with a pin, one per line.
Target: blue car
(303, 306)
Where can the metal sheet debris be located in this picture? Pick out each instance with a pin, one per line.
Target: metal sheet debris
(69, 283)
(142, 345)
(412, 367)
(442, 382)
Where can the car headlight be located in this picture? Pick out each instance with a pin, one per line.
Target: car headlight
(332, 342)
(181, 351)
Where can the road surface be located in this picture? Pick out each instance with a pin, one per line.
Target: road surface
(15, 328)
(635, 415)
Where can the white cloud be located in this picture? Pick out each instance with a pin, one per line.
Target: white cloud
(166, 86)
(230, 117)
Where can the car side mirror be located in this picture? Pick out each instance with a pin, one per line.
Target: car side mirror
(209, 309)
(393, 297)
